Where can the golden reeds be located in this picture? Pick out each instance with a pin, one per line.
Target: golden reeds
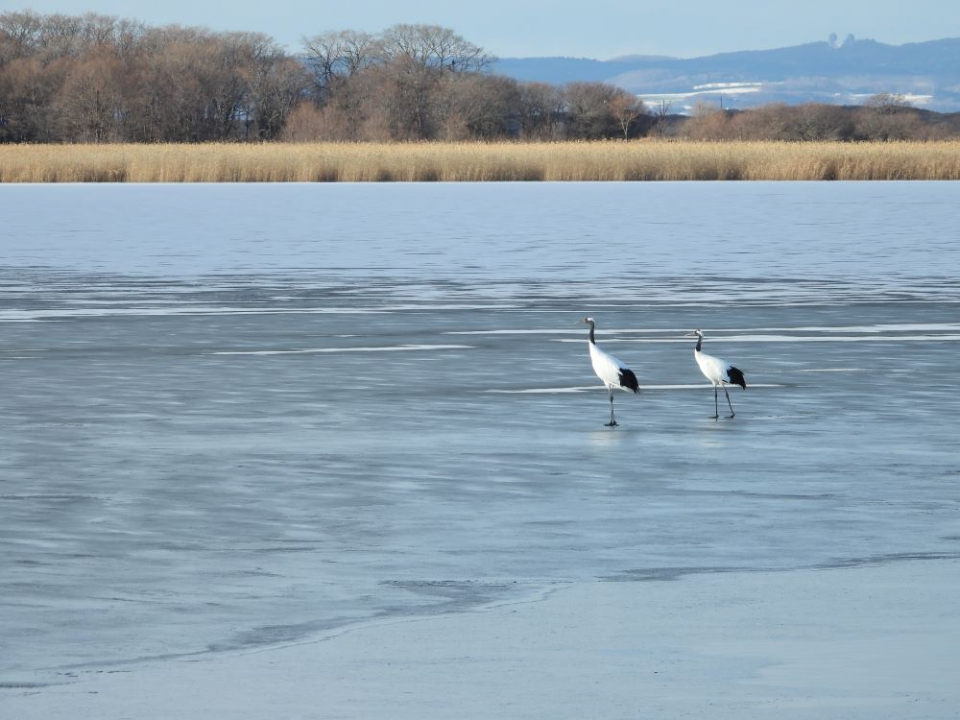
(470, 162)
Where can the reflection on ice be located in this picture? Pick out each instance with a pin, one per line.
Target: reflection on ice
(782, 339)
(591, 388)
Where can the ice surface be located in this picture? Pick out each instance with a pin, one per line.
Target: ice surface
(237, 416)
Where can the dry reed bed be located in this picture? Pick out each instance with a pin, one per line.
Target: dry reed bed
(371, 162)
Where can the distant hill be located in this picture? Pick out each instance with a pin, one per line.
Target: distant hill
(926, 73)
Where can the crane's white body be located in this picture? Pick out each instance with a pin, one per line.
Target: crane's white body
(606, 366)
(713, 368)
(610, 370)
(719, 372)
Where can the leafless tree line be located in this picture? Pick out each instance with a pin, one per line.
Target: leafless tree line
(423, 82)
(96, 78)
(884, 117)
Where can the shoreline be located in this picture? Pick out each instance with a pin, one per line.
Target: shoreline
(866, 641)
(601, 161)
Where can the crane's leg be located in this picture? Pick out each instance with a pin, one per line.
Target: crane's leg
(716, 407)
(732, 413)
(613, 420)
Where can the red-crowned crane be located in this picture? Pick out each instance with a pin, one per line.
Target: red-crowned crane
(610, 370)
(719, 372)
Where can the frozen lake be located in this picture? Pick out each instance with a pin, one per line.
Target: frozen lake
(241, 415)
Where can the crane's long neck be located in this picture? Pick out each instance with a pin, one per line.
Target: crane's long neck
(592, 341)
(699, 342)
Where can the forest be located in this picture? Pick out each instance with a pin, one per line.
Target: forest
(102, 79)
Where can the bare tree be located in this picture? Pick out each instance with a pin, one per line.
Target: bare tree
(90, 101)
(416, 59)
(818, 122)
(336, 56)
(276, 88)
(887, 103)
(27, 91)
(432, 46)
(476, 106)
(61, 36)
(708, 123)
(661, 111)
(626, 110)
(23, 32)
(888, 116)
(770, 122)
(589, 114)
(540, 111)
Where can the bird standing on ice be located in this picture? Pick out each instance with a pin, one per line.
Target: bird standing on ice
(717, 371)
(610, 370)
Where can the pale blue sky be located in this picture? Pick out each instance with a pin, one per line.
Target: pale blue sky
(525, 28)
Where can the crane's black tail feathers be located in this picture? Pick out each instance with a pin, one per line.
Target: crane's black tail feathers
(629, 380)
(736, 377)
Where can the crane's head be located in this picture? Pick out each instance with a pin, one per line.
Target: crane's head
(587, 320)
(695, 333)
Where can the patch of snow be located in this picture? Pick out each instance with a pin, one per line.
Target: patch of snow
(728, 86)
